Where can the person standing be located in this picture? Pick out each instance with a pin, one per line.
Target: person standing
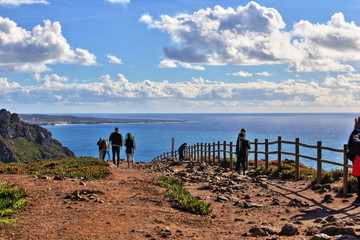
(182, 151)
(116, 140)
(130, 148)
(242, 149)
(354, 156)
(102, 148)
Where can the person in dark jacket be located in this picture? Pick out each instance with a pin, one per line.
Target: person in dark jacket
(182, 151)
(354, 155)
(130, 148)
(116, 140)
(242, 149)
(102, 148)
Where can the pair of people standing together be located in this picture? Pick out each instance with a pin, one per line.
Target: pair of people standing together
(117, 141)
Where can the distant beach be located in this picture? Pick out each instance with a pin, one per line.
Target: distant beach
(42, 119)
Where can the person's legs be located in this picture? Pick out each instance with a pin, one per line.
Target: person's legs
(128, 156)
(118, 156)
(237, 166)
(113, 154)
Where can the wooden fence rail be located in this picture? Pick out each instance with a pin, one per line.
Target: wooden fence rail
(215, 152)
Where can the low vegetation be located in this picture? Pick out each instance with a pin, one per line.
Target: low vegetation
(182, 197)
(72, 167)
(11, 198)
(288, 171)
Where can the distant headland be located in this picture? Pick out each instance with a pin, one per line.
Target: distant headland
(43, 119)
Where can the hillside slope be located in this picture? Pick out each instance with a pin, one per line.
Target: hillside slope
(20, 141)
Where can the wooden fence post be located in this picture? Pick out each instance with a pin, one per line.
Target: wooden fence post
(319, 163)
(231, 156)
(213, 152)
(279, 153)
(297, 159)
(345, 171)
(255, 153)
(201, 152)
(198, 152)
(218, 150)
(266, 153)
(224, 151)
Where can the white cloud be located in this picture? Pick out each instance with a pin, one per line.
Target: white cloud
(168, 63)
(241, 74)
(119, 1)
(32, 51)
(264, 74)
(20, 2)
(196, 95)
(255, 35)
(113, 59)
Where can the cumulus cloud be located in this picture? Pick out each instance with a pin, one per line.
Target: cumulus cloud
(114, 59)
(241, 74)
(20, 2)
(198, 94)
(33, 51)
(168, 63)
(255, 35)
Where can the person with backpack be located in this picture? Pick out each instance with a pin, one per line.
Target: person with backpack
(242, 149)
(354, 155)
(116, 140)
(102, 148)
(130, 148)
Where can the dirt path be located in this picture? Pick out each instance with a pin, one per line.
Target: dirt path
(129, 206)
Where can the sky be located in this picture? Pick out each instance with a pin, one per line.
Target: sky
(179, 56)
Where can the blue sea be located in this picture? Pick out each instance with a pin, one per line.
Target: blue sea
(153, 139)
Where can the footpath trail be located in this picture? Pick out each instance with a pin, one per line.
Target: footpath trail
(128, 205)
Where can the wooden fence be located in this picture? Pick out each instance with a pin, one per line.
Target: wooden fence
(215, 152)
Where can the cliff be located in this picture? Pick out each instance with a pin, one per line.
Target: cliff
(20, 141)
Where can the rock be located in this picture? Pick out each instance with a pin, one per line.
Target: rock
(330, 230)
(321, 236)
(289, 230)
(328, 199)
(248, 204)
(347, 237)
(263, 231)
(222, 199)
(275, 202)
(311, 231)
(297, 203)
(346, 231)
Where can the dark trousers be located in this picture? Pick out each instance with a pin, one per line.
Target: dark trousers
(358, 190)
(116, 153)
(241, 159)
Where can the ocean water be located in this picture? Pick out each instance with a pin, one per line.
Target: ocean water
(153, 139)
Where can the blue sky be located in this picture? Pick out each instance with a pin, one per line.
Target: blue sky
(89, 56)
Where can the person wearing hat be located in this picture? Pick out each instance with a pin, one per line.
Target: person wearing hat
(116, 140)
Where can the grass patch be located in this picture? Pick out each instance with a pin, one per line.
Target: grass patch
(72, 167)
(11, 198)
(225, 163)
(182, 197)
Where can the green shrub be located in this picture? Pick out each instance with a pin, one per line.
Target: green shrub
(182, 197)
(11, 198)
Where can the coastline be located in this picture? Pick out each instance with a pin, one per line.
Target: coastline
(43, 119)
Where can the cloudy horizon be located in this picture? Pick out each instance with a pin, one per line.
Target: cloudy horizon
(129, 57)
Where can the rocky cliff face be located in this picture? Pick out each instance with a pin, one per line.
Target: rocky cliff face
(20, 141)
